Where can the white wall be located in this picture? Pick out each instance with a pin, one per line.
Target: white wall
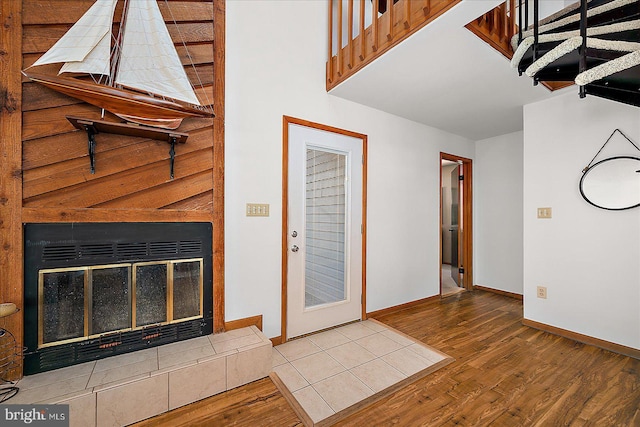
(498, 212)
(275, 66)
(588, 258)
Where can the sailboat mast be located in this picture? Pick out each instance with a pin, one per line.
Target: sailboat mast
(117, 48)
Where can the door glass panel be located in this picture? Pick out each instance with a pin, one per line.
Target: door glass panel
(325, 208)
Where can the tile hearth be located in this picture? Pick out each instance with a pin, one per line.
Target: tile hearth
(330, 374)
(130, 387)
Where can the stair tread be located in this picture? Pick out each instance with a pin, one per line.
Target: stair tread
(576, 8)
(622, 14)
(563, 56)
(594, 57)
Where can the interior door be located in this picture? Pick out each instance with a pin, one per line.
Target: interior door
(455, 226)
(324, 258)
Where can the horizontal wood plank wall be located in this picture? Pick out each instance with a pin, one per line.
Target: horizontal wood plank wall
(131, 173)
(132, 177)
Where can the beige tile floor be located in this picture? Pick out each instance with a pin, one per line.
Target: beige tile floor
(333, 370)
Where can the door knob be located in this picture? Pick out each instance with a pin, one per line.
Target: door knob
(295, 248)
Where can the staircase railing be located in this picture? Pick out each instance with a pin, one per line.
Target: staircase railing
(380, 24)
(497, 26)
(500, 24)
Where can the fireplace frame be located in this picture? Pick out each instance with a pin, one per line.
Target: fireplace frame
(60, 246)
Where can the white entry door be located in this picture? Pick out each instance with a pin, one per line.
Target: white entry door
(324, 258)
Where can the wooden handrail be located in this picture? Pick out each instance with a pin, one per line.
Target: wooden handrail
(400, 19)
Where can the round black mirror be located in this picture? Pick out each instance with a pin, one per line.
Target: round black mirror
(612, 184)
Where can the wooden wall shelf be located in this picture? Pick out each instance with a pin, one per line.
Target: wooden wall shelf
(94, 127)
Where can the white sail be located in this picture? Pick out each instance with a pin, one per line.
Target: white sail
(148, 59)
(96, 62)
(85, 41)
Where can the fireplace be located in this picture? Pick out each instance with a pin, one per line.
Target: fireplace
(94, 290)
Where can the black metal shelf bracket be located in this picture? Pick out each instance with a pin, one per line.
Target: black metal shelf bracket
(172, 153)
(91, 145)
(93, 127)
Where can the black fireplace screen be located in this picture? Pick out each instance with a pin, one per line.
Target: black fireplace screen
(95, 290)
(79, 303)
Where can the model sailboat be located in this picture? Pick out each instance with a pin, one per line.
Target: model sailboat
(141, 79)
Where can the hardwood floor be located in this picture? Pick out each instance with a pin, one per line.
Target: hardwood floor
(505, 374)
(256, 404)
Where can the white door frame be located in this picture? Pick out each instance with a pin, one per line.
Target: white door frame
(285, 203)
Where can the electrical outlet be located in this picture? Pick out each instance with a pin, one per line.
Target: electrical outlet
(544, 212)
(257, 209)
(542, 292)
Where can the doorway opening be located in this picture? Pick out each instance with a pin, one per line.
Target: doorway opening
(456, 254)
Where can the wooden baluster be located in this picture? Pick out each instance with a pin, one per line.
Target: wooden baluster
(340, 65)
(374, 24)
(512, 18)
(330, 47)
(390, 12)
(491, 21)
(427, 7)
(363, 36)
(494, 21)
(500, 21)
(407, 14)
(505, 21)
(350, 31)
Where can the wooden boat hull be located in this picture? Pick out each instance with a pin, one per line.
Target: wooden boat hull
(131, 106)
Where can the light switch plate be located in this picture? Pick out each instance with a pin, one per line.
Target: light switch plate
(257, 209)
(544, 212)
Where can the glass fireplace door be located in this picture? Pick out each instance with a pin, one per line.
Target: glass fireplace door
(86, 302)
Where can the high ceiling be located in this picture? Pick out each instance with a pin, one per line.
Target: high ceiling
(446, 77)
